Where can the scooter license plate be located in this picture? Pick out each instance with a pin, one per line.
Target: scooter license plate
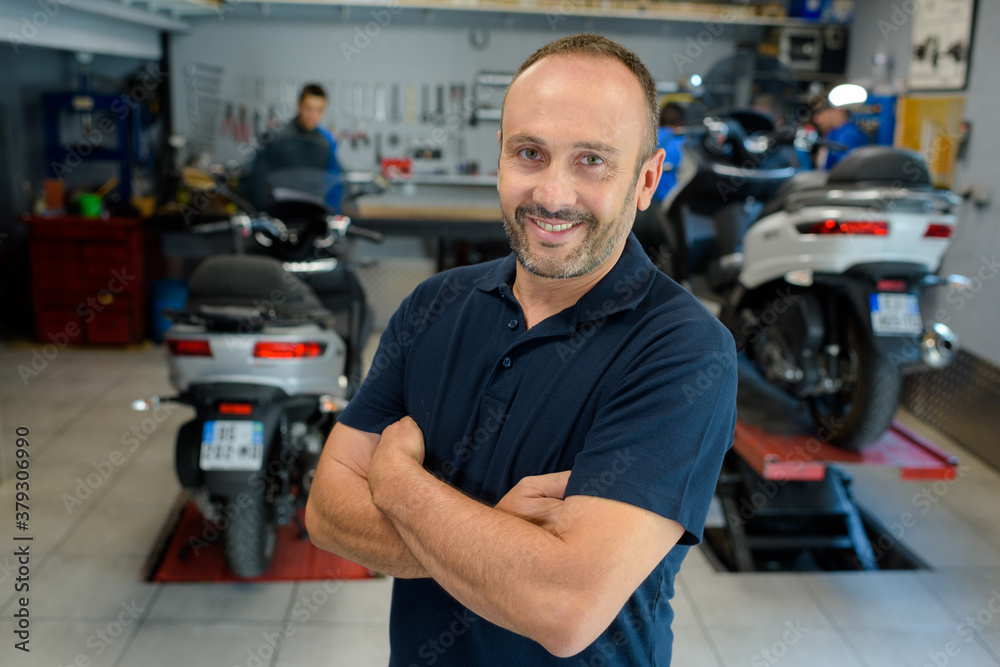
(895, 314)
(232, 445)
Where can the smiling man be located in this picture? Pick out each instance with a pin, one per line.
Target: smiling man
(536, 445)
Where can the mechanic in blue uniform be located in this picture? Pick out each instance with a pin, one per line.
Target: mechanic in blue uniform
(671, 118)
(835, 124)
(535, 447)
(302, 154)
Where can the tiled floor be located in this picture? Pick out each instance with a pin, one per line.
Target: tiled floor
(99, 494)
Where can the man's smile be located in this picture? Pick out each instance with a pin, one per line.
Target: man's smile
(553, 228)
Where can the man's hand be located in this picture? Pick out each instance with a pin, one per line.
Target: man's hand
(401, 443)
(537, 499)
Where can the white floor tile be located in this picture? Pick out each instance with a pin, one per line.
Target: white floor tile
(684, 612)
(692, 649)
(168, 644)
(950, 544)
(222, 602)
(775, 599)
(356, 646)
(887, 648)
(344, 602)
(116, 529)
(785, 645)
(969, 595)
(973, 498)
(883, 600)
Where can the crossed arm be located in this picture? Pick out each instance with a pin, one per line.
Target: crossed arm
(555, 570)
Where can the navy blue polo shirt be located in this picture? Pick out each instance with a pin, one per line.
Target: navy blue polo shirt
(633, 388)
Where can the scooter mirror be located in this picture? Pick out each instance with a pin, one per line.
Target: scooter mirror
(198, 179)
(146, 405)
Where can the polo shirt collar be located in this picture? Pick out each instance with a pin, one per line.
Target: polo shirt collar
(623, 288)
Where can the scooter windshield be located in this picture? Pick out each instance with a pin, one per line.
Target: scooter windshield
(294, 164)
(750, 81)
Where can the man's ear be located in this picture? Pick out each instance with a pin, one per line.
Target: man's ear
(649, 178)
(500, 138)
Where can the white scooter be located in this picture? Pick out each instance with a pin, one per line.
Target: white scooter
(820, 273)
(267, 350)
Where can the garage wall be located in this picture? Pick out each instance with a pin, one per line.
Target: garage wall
(413, 47)
(976, 248)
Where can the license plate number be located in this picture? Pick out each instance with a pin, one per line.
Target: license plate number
(895, 314)
(232, 445)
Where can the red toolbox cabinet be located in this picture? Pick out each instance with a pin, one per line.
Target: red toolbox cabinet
(88, 279)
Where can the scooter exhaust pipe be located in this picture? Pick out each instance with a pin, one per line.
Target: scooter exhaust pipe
(938, 346)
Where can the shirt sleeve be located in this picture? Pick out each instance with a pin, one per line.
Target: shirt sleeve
(380, 401)
(659, 439)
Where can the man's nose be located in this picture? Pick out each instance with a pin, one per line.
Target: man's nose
(555, 189)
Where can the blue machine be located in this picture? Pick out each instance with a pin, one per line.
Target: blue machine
(83, 127)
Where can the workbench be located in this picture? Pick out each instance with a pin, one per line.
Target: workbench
(458, 216)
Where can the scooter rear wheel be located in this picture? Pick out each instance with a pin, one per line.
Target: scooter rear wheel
(250, 538)
(863, 409)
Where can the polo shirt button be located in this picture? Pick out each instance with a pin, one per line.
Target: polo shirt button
(506, 362)
(513, 323)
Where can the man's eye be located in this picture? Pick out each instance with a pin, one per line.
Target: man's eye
(530, 153)
(593, 160)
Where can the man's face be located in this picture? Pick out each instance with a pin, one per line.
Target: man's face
(311, 110)
(828, 119)
(573, 126)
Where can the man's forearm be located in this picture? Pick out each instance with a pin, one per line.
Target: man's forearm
(496, 564)
(343, 519)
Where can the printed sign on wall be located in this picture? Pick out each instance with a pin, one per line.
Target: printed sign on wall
(940, 48)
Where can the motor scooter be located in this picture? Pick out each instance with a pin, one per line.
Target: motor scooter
(267, 350)
(819, 274)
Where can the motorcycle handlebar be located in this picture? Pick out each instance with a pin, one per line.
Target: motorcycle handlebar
(271, 225)
(363, 233)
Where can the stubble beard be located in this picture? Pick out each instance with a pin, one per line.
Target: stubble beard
(598, 243)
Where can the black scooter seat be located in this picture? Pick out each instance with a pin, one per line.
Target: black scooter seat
(800, 182)
(254, 282)
(866, 167)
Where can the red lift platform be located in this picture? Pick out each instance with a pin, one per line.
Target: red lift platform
(805, 458)
(787, 501)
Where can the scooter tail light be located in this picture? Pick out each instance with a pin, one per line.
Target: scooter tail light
(286, 350)
(845, 227)
(189, 347)
(235, 409)
(891, 285)
(937, 230)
